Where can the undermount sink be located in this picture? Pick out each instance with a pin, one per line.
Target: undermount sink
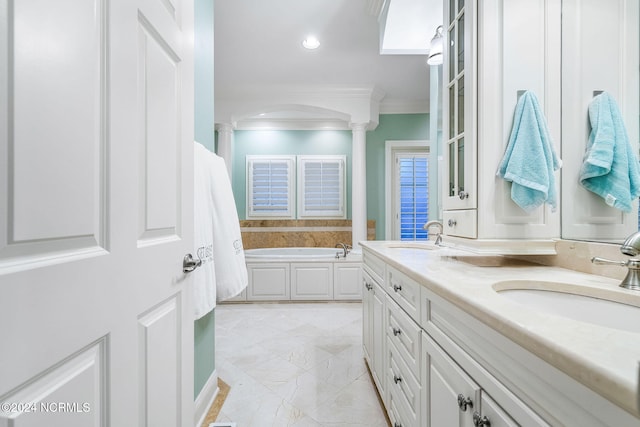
(429, 246)
(603, 307)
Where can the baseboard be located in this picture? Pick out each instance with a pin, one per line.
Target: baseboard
(205, 398)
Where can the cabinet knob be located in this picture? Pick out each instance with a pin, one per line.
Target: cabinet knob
(480, 421)
(397, 425)
(397, 379)
(463, 195)
(452, 222)
(464, 402)
(396, 331)
(397, 288)
(368, 286)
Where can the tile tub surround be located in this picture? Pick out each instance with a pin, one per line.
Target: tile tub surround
(298, 233)
(604, 360)
(295, 365)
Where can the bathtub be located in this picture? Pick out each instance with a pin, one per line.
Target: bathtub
(298, 254)
(302, 274)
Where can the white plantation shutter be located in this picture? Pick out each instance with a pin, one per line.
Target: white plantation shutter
(321, 186)
(270, 186)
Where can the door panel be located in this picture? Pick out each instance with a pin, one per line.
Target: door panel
(159, 125)
(96, 211)
(53, 198)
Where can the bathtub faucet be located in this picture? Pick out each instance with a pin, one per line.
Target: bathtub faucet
(631, 247)
(345, 248)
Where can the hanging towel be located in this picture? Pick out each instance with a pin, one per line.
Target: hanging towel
(228, 252)
(204, 279)
(610, 167)
(529, 161)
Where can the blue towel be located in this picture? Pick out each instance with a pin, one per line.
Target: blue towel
(530, 161)
(610, 167)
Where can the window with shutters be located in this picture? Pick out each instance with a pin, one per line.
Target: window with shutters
(270, 183)
(321, 186)
(412, 195)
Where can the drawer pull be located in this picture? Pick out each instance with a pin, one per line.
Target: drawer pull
(396, 331)
(480, 421)
(368, 286)
(397, 425)
(452, 223)
(463, 195)
(397, 288)
(397, 379)
(464, 402)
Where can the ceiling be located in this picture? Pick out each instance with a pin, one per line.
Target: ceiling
(258, 49)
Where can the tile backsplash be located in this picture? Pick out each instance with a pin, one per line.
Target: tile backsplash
(576, 255)
(298, 233)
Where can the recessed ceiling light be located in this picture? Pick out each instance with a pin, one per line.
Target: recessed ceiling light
(311, 42)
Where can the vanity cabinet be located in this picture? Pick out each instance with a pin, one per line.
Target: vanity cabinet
(373, 328)
(495, 50)
(455, 399)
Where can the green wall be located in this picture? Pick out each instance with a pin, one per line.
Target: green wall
(391, 127)
(291, 142)
(396, 127)
(204, 328)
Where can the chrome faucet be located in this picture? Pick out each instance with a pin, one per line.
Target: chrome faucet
(346, 248)
(631, 247)
(439, 225)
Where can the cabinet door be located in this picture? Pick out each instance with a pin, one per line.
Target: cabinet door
(268, 282)
(450, 396)
(519, 51)
(347, 281)
(491, 414)
(459, 106)
(311, 281)
(367, 319)
(378, 336)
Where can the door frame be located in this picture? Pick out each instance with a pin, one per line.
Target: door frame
(390, 147)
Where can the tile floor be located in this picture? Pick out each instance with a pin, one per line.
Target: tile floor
(298, 365)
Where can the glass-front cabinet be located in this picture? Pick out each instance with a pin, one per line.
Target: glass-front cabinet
(494, 50)
(460, 136)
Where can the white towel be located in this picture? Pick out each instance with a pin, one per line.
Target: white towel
(228, 253)
(204, 279)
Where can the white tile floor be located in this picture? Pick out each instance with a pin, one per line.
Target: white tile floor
(294, 365)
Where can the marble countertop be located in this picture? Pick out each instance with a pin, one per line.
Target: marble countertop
(604, 359)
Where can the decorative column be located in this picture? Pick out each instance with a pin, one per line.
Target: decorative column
(358, 183)
(225, 145)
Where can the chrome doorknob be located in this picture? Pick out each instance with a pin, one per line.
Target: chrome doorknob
(189, 263)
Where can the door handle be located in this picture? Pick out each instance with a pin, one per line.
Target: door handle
(189, 263)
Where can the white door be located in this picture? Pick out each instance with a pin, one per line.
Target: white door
(96, 135)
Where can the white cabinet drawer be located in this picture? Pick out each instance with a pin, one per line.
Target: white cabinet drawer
(404, 291)
(463, 223)
(374, 266)
(402, 386)
(405, 334)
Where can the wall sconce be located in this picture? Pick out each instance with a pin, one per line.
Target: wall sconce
(436, 49)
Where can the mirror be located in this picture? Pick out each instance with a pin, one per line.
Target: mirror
(612, 32)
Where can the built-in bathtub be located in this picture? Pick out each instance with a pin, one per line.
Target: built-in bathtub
(302, 274)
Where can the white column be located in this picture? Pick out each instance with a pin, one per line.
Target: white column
(225, 145)
(358, 183)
